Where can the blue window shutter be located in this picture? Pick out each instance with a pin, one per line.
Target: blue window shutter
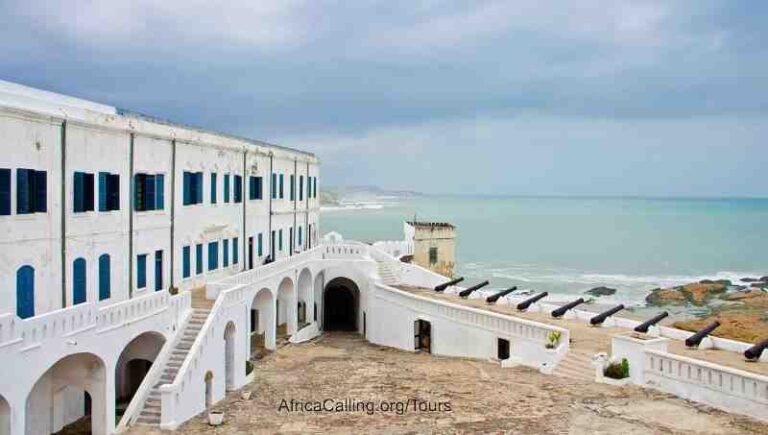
(199, 185)
(213, 188)
(78, 281)
(159, 192)
(301, 188)
(185, 267)
(103, 191)
(225, 253)
(199, 258)
(260, 250)
(293, 187)
(113, 199)
(22, 191)
(280, 240)
(282, 186)
(226, 187)
(213, 260)
(235, 250)
(149, 192)
(89, 181)
(5, 192)
(158, 270)
(273, 186)
(25, 292)
(300, 236)
(141, 271)
(105, 284)
(41, 191)
(185, 188)
(238, 188)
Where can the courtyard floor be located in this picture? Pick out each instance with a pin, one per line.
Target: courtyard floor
(483, 397)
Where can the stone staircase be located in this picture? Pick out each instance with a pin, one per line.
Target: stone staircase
(577, 364)
(150, 413)
(387, 273)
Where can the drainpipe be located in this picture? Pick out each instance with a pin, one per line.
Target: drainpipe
(269, 231)
(295, 201)
(130, 216)
(63, 200)
(307, 239)
(244, 197)
(173, 206)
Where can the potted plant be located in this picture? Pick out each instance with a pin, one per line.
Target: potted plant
(616, 372)
(215, 418)
(552, 339)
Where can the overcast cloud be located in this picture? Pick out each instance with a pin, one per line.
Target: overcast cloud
(585, 97)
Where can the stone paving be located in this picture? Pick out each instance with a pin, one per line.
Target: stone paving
(483, 397)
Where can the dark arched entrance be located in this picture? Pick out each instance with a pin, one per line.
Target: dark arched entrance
(340, 305)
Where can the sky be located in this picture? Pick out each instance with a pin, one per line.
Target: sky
(526, 97)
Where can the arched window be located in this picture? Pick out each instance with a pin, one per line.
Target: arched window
(78, 281)
(25, 292)
(105, 278)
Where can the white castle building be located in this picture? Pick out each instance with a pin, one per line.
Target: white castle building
(144, 262)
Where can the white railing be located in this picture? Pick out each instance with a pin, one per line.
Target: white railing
(132, 310)
(395, 248)
(700, 381)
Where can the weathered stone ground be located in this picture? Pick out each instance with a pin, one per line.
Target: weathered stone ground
(483, 397)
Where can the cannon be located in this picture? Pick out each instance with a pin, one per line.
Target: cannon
(493, 298)
(445, 285)
(558, 312)
(696, 338)
(467, 292)
(600, 318)
(522, 306)
(755, 351)
(643, 327)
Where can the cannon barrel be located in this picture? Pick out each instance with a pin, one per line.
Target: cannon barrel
(643, 327)
(493, 298)
(755, 351)
(522, 306)
(696, 338)
(600, 318)
(557, 312)
(467, 292)
(445, 285)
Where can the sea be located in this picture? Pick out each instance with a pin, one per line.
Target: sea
(566, 246)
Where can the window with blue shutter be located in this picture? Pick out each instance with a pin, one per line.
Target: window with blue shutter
(238, 189)
(280, 240)
(141, 271)
(213, 255)
(159, 192)
(260, 249)
(213, 187)
(309, 186)
(192, 188)
(235, 250)
(103, 176)
(293, 187)
(158, 270)
(105, 278)
(199, 258)
(83, 192)
(282, 190)
(41, 191)
(255, 188)
(301, 188)
(25, 292)
(225, 252)
(109, 191)
(273, 186)
(186, 188)
(5, 192)
(226, 187)
(78, 281)
(300, 244)
(22, 192)
(150, 192)
(31, 191)
(186, 262)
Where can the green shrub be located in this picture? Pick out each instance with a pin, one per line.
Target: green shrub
(617, 370)
(248, 368)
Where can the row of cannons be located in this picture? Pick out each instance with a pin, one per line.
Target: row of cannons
(751, 354)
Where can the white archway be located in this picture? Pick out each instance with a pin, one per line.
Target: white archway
(286, 308)
(341, 302)
(72, 392)
(229, 356)
(305, 305)
(262, 322)
(133, 365)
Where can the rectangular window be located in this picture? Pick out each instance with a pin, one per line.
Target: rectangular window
(432, 255)
(273, 186)
(260, 250)
(309, 186)
(300, 236)
(235, 250)
(31, 191)
(141, 271)
(5, 191)
(238, 189)
(282, 190)
(213, 187)
(159, 192)
(149, 192)
(193, 188)
(198, 258)
(293, 188)
(213, 255)
(280, 240)
(254, 188)
(301, 188)
(226, 187)
(225, 252)
(109, 191)
(314, 187)
(158, 270)
(83, 189)
(186, 262)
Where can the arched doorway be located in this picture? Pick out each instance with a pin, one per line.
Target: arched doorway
(262, 323)
(229, 356)
(305, 305)
(341, 300)
(72, 394)
(5, 416)
(317, 309)
(132, 366)
(286, 308)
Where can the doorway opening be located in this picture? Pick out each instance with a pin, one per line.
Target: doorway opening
(422, 336)
(340, 305)
(503, 349)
